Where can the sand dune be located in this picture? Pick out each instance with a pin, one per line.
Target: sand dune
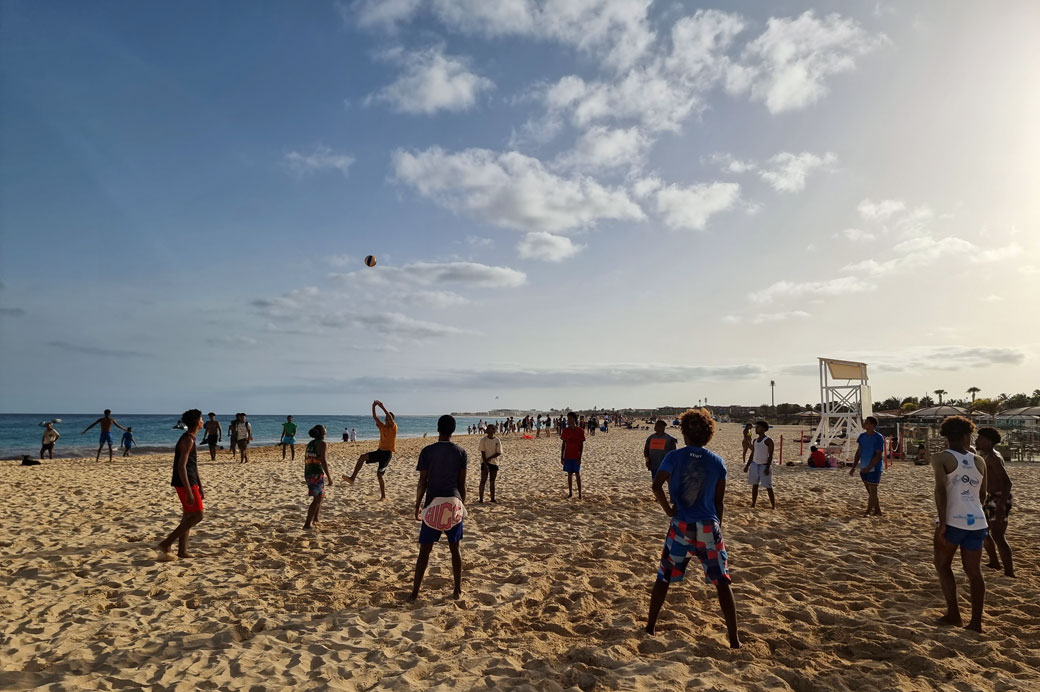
(556, 590)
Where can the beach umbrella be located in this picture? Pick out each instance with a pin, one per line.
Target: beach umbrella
(937, 412)
(1026, 411)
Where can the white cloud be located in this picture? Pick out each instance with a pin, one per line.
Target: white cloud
(438, 300)
(730, 164)
(857, 235)
(787, 66)
(511, 190)
(321, 158)
(431, 81)
(1029, 269)
(380, 13)
(869, 209)
(339, 261)
(465, 273)
(603, 149)
(691, 207)
(479, 241)
(787, 290)
(924, 251)
(786, 172)
(389, 324)
(767, 317)
(547, 247)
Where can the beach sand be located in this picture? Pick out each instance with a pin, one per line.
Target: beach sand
(555, 590)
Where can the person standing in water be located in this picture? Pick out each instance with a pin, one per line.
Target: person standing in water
(383, 453)
(50, 436)
(696, 480)
(288, 438)
(998, 501)
(188, 486)
(960, 485)
(316, 473)
(760, 464)
(106, 421)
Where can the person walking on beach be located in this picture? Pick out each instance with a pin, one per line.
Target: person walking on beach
(960, 485)
(760, 464)
(106, 421)
(243, 435)
(384, 452)
(50, 436)
(353, 435)
(571, 450)
(315, 472)
(869, 459)
(998, 500)
(288, 438)
(442, 479)
(213, 434)
(490, 448)
(657, 446)
(188, 486)
(746, 443)
(128, 441)
(696, 480)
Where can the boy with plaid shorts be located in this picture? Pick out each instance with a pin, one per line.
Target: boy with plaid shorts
(696, 479)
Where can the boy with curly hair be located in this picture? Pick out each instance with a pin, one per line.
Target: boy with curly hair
(998, 500)
(696, 480)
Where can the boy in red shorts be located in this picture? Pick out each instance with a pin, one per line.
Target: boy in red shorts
(696, 480)
(188, 486)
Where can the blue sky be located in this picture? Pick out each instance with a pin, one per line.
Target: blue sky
(573, 203)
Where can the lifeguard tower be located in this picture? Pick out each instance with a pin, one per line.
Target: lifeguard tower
(844, 402)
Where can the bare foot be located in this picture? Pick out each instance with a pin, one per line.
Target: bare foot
(456, 595)
(348, 479)
(993, 565)
(412, 597)
(649, 630)
(185, 556)
(951, 619)
(734, 643)
(1007, 573)
(974, 626)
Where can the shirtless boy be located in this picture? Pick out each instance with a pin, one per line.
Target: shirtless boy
(106, 421)
(998, 500)
(214, 433)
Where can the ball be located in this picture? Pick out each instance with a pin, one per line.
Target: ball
(370, 260)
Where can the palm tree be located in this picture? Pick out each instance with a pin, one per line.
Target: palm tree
(973, 391)
(940, 393)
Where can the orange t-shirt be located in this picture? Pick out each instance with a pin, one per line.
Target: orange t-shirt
(387, 436)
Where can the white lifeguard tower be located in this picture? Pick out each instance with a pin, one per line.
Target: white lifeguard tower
(844, 402)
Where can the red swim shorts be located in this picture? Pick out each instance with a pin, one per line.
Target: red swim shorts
(182, 493)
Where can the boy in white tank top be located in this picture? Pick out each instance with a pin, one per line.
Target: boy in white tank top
(960, 485)
(759, 464)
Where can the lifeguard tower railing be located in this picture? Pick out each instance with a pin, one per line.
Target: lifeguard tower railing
(844, 402)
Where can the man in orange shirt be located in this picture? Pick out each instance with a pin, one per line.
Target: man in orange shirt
(383, 453)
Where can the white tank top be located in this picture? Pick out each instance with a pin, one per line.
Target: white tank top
(963, 505)
(761, 454)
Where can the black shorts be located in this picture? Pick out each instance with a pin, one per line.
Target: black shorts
(211, 440)
(489, 467)
(381, 457)
(242, 444)
(49, 447)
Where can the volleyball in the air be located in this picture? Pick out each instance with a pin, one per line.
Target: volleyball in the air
(370, 261)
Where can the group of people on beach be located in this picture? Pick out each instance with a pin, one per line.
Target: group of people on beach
(972, 495)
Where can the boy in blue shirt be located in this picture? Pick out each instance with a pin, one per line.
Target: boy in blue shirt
(869, 460)
(696, 479)
(128, 441)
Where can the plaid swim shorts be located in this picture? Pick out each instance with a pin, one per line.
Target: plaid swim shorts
(701, 538)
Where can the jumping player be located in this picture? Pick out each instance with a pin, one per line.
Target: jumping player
(383, 453)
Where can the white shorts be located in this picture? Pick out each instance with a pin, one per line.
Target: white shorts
(757, 476)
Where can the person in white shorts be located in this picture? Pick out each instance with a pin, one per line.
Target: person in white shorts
(759, 464)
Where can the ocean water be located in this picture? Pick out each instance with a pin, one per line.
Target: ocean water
(20, 433)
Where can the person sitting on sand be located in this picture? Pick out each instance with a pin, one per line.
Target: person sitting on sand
(760, 464)
(383, 453)
(817, 458)
(696, 480)
(213, 434)
(657, 446)
(128, 441)
(50, 436)
(571, 449)
(960, 485)
(490, 448)
(315, 472)
(188, 486)
(869, 453)
(442, 475)
(288, 438)
(106, 421)
(998, 500)
(922, 456)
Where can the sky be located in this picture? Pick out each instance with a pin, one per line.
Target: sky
(573, 203)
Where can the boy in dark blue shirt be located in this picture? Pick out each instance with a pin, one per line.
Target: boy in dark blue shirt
(696, 479)
(869, 460)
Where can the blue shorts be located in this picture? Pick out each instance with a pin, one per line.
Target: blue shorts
(872, 477)
(700, 538)
(288, 440)
(967, 540)
(106, 438)
(572, 465)
(428, 536)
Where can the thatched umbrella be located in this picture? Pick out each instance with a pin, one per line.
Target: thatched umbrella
(935, 412)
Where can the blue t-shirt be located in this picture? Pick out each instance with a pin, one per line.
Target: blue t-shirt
(869, 445)
(694, 471)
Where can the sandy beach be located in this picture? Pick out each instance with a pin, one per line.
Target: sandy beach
(555, 590)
